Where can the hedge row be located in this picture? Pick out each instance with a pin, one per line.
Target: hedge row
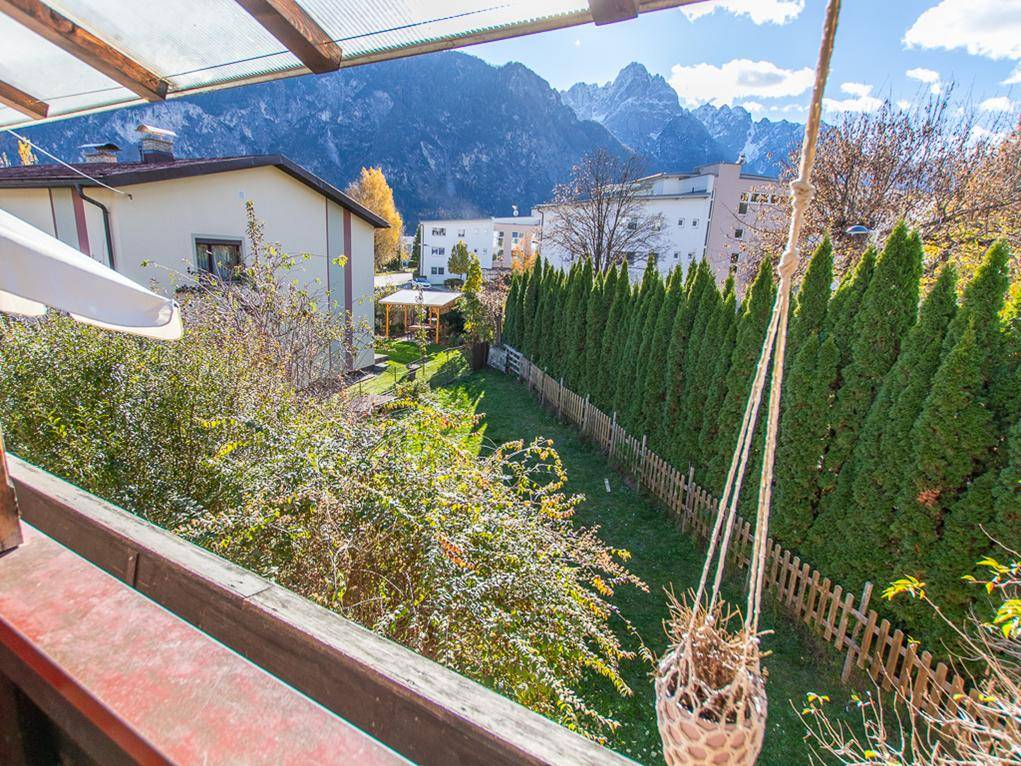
(900, 439)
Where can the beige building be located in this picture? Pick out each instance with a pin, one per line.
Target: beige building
(169, 219)
(713, 212)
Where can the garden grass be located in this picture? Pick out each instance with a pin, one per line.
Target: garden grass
(663, 558)
(441, 360)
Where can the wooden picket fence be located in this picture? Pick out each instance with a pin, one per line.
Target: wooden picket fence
(867, 642)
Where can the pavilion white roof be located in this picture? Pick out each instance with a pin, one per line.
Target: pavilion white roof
(65, 57)
(426, 298)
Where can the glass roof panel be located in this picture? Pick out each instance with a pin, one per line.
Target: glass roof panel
(199, 44)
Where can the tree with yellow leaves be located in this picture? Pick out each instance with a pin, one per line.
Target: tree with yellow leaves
(372, 190)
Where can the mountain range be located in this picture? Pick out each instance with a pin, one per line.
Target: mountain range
(455, 136)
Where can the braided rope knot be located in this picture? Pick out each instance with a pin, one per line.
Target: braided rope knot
(803, 192)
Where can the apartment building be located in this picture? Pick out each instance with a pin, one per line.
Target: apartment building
(491, 239)
(714, 211)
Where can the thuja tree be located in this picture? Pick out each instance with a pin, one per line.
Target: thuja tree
(727, 332)
(802, 435)
(863, 510)
(596, 311)
(888, 308)
(647, 342)
(575, 343)
(702, 369)
(697, 369)
(512, 312)
(530, 309)
(747, 346)
(812, 300)
(698, 282)
(655, 384)
(619, 300)
(624, 388)
(955, 435)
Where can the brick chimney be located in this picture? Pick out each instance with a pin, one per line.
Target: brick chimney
(157, 144)
(99, 152)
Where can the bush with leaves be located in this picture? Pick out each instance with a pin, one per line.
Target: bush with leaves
(391, 520)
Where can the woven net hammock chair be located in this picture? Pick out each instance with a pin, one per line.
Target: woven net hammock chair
(710, 685)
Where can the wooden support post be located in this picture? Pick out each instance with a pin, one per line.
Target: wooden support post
(584, 415)
(560, 400)
(437, 326)
(386, 321)
(404, 328)
(10, 525)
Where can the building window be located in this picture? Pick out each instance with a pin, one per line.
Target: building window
(219, 257)
(439, 250)
(439, 231)
(657, 225)
(515, 235)
(742, 208)
(733, 259)
(632, 224)
(744, 196)
(691, 256)
(675, 255)
(436, 271)
(738, 233)
(680, 222)
(461, 232)
(694, 223)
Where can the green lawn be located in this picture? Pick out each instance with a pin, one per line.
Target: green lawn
(444, 361)
(661, 557)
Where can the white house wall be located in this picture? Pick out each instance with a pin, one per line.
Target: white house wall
(477, 237)
(154, 230)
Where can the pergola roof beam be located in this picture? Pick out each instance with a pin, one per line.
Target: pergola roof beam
(17, 99)
(289, 23)
(612, 11)
(86, 47)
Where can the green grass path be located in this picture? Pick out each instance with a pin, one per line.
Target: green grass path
(661, 557)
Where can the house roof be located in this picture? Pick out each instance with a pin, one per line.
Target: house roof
(427, 298)
(119, 174)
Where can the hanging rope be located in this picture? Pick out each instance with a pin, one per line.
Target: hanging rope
(710, 691)
(773, 350)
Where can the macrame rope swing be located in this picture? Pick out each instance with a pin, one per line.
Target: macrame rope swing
(710, 693)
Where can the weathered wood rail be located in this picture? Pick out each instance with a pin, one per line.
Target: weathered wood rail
(843, 621)
(427, 713)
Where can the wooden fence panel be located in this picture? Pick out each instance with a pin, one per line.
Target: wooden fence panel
(874, 646)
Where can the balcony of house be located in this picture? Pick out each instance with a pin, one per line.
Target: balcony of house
(122, 643)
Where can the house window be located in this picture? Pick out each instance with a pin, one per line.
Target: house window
(439, 250)
(675, 255)
(515, 235)
(461, 232)
(436, 270)
(632, 224)
(744, 196)
(738, 233)
(657, 225)
(733, 259)
(694, 223)
(680, 222)
(219, 257)
(439, 231)
(691, 256)
(742, 208)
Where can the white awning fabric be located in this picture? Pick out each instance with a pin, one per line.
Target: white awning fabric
(38, 270)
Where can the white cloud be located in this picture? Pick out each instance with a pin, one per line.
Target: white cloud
(929, 76)
(1014, 78)
(577, 42)
(760, 11)
(923, 75)
(990, 28)
(753, 106)
(997, 104)
(978, 133)
(861, 99)
(903, 105)
(736, 79)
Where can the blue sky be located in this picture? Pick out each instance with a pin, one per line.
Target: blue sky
(759, 53)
